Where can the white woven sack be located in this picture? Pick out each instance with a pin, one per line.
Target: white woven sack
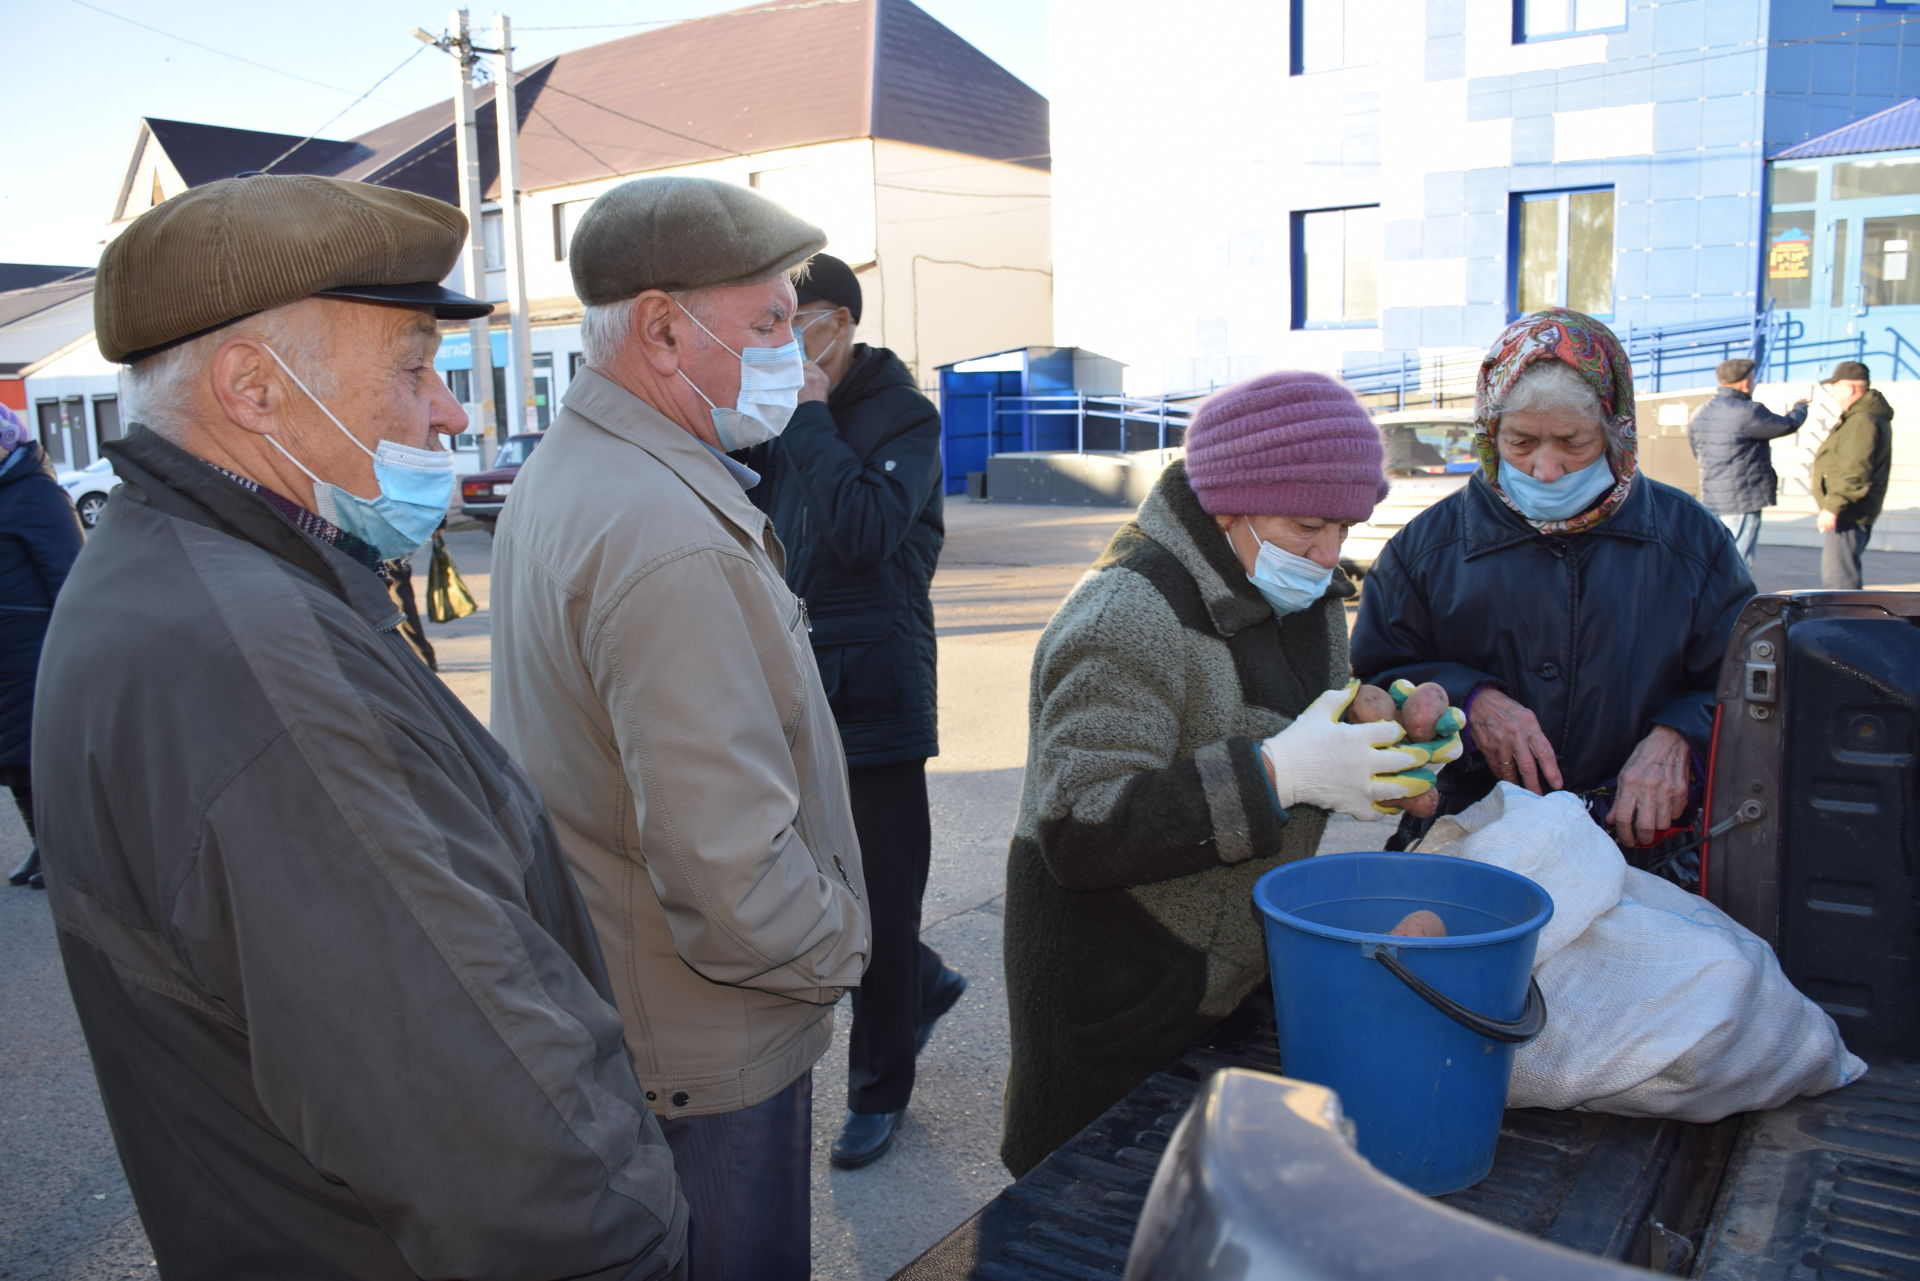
(1658, 1003)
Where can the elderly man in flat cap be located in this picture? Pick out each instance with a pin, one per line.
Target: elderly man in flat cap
(343, 998)
(651, 671)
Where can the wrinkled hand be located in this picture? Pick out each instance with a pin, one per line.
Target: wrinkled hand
(1320, 761)
(1509, 736)
(816, 384)
(1653, 788)
(1826, 522)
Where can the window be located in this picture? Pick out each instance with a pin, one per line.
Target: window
(491, 237)
(576, 361)
(566, 217)
(1795, 184)
(1865, 179)
(1336, 267)
(1547, 19)
(1328, 34)
(1888, 275)
(460, 383)
(1839, 272)
(1563, 251)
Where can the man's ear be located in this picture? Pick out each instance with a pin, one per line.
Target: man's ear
(243, 380)
(657, 332)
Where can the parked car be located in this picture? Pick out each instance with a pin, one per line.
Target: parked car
(484, 493)
(88, 488)
(1430, 454)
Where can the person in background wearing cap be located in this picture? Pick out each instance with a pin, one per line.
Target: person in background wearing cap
(1851, 470)
(1729, 436)
(1577, 608)
(651, 669)
(343, 999)
(1184, 736)
(39, 537)
(854, 488)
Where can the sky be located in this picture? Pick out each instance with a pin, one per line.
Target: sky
(80, 75)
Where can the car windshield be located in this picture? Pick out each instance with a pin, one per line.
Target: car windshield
(514, 453)
(1414, 447)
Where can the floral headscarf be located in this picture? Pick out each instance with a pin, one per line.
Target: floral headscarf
(1596, 355)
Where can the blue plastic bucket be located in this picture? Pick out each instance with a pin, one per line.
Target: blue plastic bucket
(1416, 1035)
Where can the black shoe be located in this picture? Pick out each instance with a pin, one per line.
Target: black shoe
(37, 881)
(27, 870)
(864, 1139)
(946, 991)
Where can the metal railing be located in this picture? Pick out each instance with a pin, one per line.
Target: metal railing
(1164, 415)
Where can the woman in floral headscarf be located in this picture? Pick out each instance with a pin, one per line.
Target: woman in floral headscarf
(1576, 607)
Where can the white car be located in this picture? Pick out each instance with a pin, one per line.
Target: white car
(88, 488)
(1430, 454)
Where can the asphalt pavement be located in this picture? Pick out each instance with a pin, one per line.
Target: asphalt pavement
(65, 1212)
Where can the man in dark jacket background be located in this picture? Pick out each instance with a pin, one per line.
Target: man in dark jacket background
(342, 996)
(1850, 474)
(1730, 436)
(39, 537)
(853, 486)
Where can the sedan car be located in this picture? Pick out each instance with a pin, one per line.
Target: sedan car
(1430, 454)
(88, 488)
(484, 493)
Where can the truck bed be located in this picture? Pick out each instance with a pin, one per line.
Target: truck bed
(1821, 1188)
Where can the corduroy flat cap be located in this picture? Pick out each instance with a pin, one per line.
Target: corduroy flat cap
(682, 233)
(231, 248)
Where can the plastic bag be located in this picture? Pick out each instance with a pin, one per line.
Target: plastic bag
(1658, 1003)
(447, 594)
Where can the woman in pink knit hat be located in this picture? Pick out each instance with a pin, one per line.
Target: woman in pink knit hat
(1185, 736)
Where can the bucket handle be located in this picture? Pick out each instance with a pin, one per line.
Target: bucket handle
(1518, 1032)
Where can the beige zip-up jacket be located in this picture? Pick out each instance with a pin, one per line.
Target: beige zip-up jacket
(651, 671)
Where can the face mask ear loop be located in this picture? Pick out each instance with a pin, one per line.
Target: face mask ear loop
(318, 404)
(708, 332)
(696, 386)
(295, 461)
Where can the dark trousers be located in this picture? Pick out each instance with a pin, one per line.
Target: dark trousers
(896, 844)
(19, 780)
(747, 1177)
(1840, 552)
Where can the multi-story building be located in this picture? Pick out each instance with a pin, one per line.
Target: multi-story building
(1334, 184)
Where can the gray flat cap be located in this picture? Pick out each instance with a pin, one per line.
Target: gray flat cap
(683, 233)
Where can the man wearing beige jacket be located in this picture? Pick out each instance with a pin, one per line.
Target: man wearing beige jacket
(651, 670)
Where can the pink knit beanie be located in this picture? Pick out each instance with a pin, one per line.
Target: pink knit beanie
(1286, 444)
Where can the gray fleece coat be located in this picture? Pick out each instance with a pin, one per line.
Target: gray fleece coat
(1146, 815)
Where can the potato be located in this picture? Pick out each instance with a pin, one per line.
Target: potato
(1370, 704)
(1419, 925)
(1420, 714)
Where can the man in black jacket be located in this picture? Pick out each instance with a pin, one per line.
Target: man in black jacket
(1729, 437)
(854, 487)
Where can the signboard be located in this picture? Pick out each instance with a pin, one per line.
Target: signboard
(1790, 255)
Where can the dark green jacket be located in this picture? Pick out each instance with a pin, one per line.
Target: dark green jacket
(1854, 462)
(1146, 816)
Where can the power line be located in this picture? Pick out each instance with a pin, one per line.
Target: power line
(278, 71)
(268, 167)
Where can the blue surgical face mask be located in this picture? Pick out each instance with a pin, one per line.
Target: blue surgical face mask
(770, 382)
(1290, 583)
(1559, 499)
(415, 487)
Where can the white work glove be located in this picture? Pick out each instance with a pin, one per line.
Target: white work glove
(1320, 760)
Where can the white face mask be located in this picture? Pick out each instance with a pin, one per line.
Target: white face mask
(770, 382)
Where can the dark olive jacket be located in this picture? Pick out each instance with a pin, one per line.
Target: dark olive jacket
(343, 1000)
(39, 537)
(1854, 463)
(1602, 634)
(854, 490)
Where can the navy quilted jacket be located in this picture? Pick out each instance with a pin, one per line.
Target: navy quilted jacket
(39, 537)
(1729, 436)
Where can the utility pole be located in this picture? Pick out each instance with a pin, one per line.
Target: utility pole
(506, 115)
(458, 44)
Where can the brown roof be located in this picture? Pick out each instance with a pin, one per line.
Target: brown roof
(775, 75)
